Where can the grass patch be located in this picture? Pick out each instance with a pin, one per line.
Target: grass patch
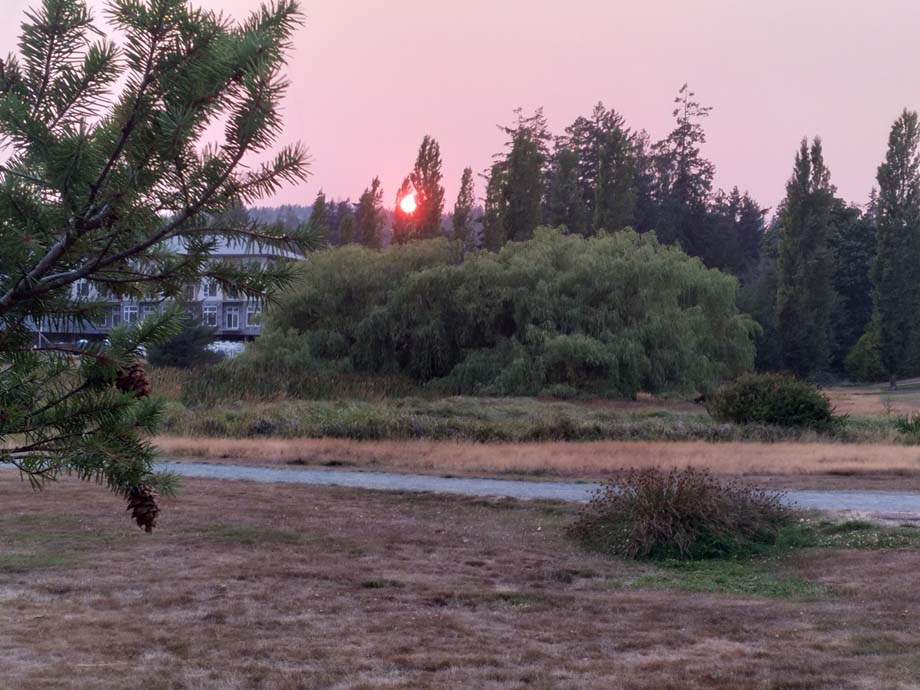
(27, 562)
(740, 577)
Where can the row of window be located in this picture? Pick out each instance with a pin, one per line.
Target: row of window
(131, 312)
(209, 290)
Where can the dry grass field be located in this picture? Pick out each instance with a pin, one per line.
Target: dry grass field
(260, 587)
(804, 465)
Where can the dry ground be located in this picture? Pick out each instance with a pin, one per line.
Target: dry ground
(787, 465)
(260, 587)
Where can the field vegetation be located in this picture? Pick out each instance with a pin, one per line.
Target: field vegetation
(278, 587)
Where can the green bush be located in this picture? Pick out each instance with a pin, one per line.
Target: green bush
(864, 362)
(682, 514)
(774, 399)
(610, 315)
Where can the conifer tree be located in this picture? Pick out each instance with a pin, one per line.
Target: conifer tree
(403, 223)
(106, 184)
(347, 228)
(683, 177)
(426, 180)
(462, 221)
(319, 215)
(805, 296)
(494, 234)
(898, 254)
(525, 170)
(369, 216)
(565, 203)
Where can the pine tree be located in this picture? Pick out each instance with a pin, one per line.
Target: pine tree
(369, 216)
(494, 234)
(426, 180)
(683, 177)
(403, 223)
(805, 295)
(347, 228)
(462, 221)
(898, 255)
(565, 205)
(106, 183)
(319, 215)
(525, 171)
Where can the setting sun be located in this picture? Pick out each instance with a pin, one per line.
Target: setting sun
(408, 204)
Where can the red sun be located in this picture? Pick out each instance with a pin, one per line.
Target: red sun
(408, 204)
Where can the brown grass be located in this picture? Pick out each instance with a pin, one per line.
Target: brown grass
(794, 463)
(873, 401)
(260, 587)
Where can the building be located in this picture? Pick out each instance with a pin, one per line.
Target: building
(234, 317)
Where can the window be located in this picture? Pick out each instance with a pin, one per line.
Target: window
(130, 313)
(231, 318)
(82, 288)
(209, 289)
(253, 314)
(147, 311)
(209, 314)
(116, 316)
(189, 292)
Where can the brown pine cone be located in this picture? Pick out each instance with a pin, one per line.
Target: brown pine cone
(133, 379)
(143, 502)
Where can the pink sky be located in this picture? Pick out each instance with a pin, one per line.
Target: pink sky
(370, 78)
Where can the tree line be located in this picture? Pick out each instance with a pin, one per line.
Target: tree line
(830, 282)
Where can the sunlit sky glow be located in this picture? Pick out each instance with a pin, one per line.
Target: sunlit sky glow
(370, 78)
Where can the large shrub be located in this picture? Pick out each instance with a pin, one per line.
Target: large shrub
(777, 399)
(682, 514)
(610, 315)
(864, 362)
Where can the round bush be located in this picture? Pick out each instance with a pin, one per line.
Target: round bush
(776, 399)
(682, 514)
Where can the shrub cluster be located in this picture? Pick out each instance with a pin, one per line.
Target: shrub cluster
(682, 514)
(609, 315)
(774, 399)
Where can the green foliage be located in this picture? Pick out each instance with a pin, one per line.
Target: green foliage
(463, 210)
(565, 205)
(681, 515)
(897, 293)
(429, 193)
(611, 315)
(369, 216)
(187, 348)
(107, 181)
(775, 399)
(864, 362)
(805, 295)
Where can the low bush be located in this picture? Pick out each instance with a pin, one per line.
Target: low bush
(864, 362)
(681, 515)
(774, 399)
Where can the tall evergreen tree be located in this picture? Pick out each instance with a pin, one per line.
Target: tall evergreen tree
(369, 216)
(525, 168)
(403, 223)
(898, 253)
(319, 215)
(462, 221)
(106, 185)
(683, 177)
(347, 227)
(565, 204)
(494, 234)
(607, 168)
(805, 267)
(853, 243)
(426, 180)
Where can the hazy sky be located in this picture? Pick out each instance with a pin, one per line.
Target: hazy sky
(370, 78)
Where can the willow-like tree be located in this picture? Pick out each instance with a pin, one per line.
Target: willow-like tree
(426, 180)
(805, 266)
(898, 236)
(463, 210)
(109, 183)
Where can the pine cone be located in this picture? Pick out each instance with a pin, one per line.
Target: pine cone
(143, 502)
(133, 379)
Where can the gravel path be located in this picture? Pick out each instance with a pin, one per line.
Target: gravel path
(868, 501)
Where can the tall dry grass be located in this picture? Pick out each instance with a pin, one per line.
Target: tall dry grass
(587, 459)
